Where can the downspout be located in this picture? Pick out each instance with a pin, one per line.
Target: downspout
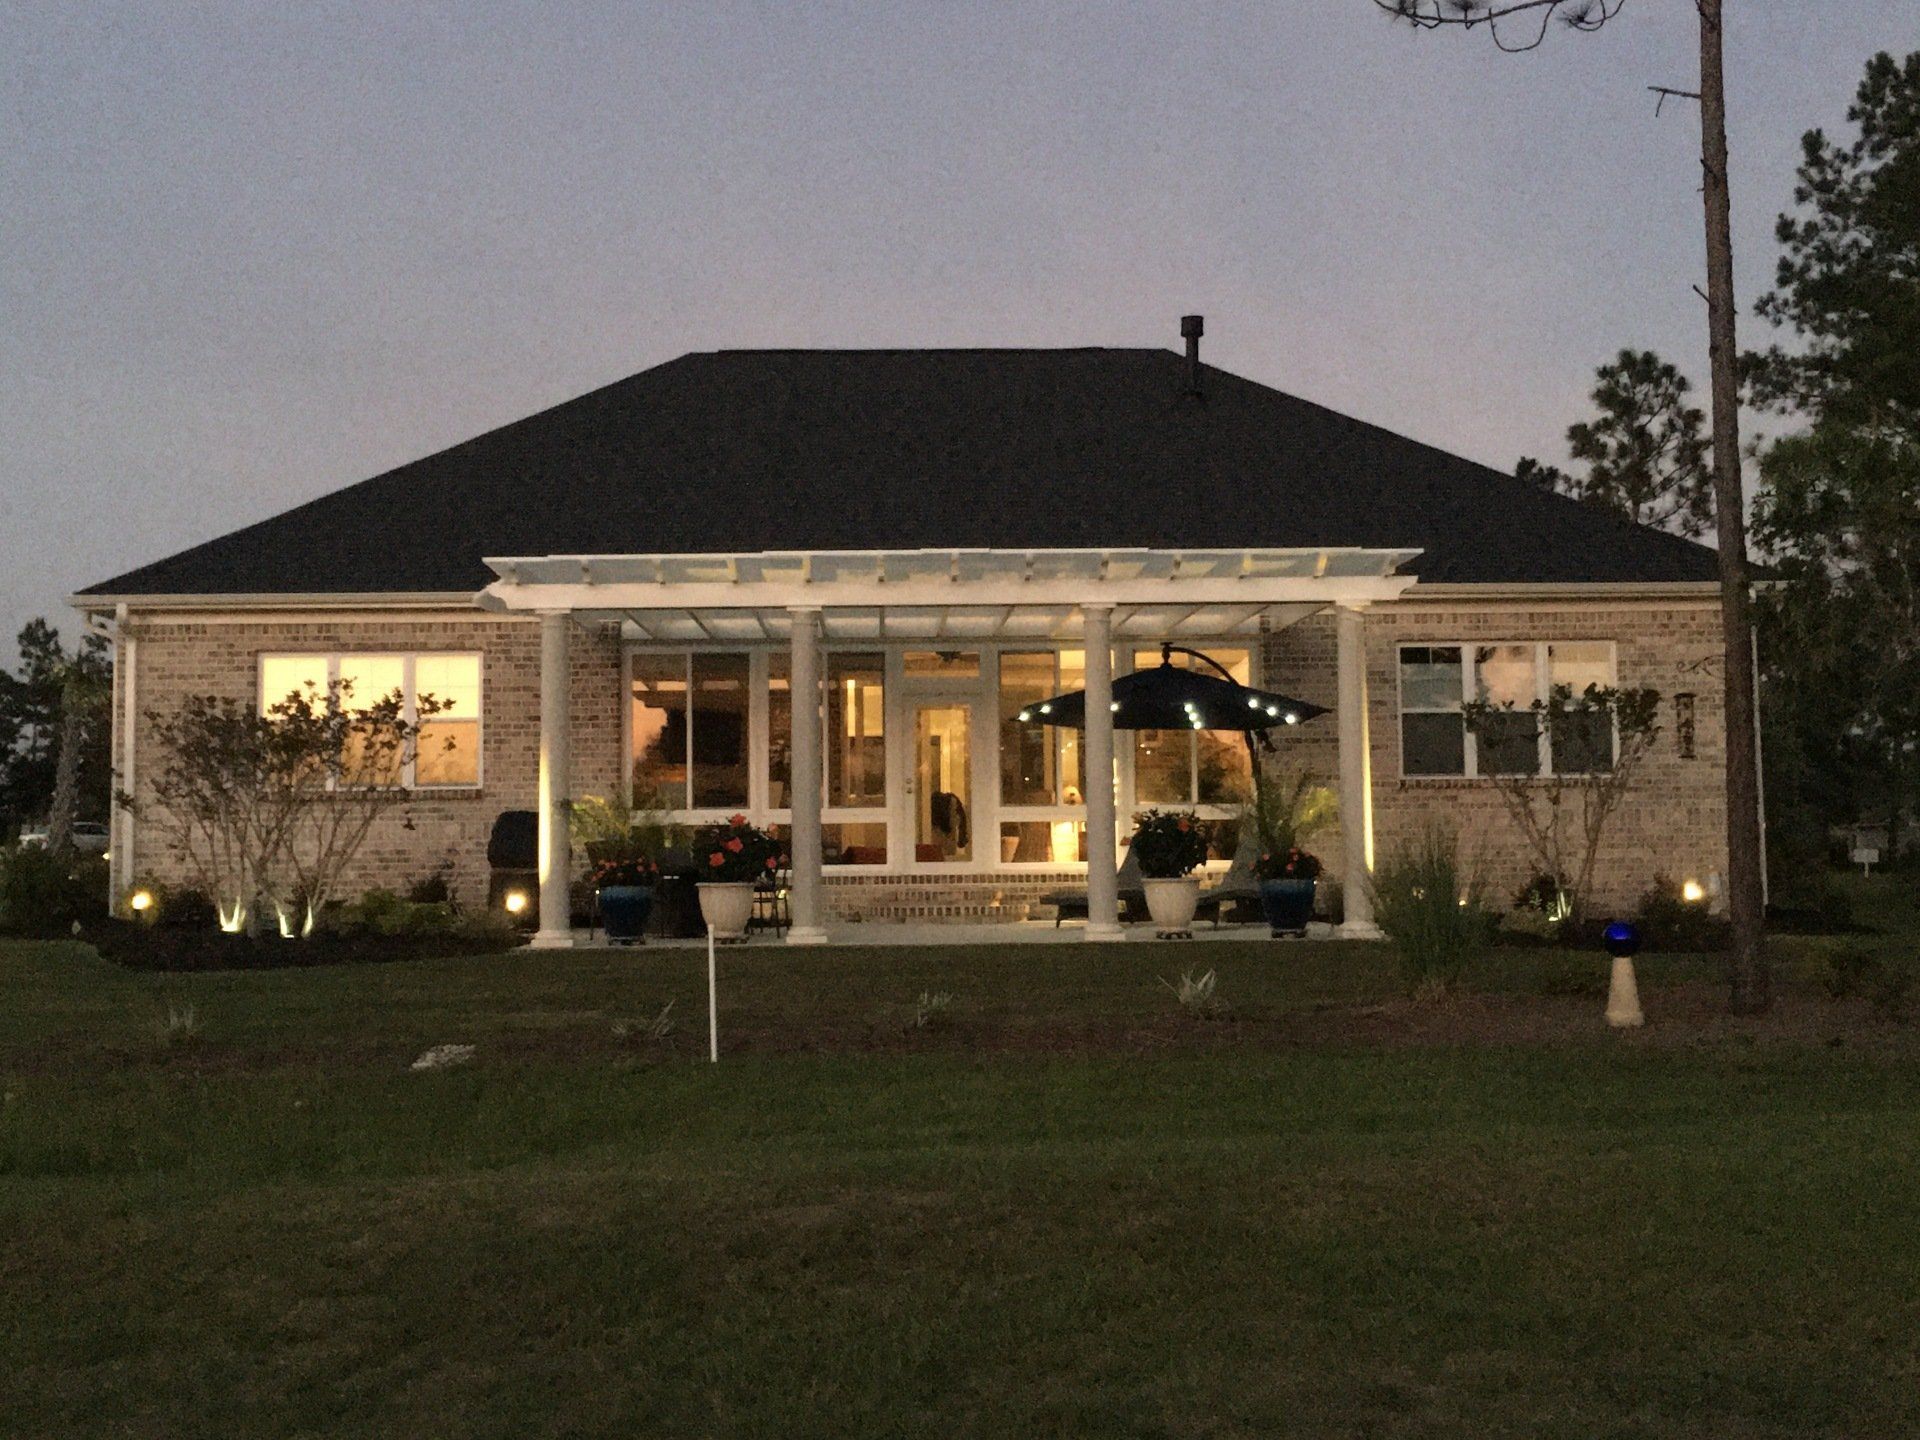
(120, 873)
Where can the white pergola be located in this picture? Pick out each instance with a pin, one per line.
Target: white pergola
(1095, 597)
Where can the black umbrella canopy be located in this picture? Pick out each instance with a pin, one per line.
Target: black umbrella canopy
(1168, 697)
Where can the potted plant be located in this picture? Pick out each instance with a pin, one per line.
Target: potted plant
(732, 857)
(623, 843)
(1286, 889)
(1285, 814)
(625, 888)
(1169, 846)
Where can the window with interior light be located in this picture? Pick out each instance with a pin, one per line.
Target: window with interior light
(1042, 800)
(1436, 681)
(447, 755)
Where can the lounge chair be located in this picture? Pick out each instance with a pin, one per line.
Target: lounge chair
(1071, 902)
(1238, 885)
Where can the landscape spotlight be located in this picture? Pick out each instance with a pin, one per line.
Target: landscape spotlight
(516, 902)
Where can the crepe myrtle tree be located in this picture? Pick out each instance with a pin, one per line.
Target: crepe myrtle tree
(269, 808)
(1516, 25)
(1598, 740)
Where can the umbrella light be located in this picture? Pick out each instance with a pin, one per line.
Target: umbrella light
(1171, 697)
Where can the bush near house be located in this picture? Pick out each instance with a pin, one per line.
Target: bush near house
(42, 893)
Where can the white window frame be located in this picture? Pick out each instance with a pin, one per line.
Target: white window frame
(1469, 662)
(409, 697)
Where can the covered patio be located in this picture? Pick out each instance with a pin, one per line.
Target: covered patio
(934, 625)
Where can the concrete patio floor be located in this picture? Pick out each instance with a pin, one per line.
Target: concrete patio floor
(1021, 932)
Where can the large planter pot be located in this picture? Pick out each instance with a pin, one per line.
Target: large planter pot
(624, 910)
(1171, 903)
(1289, 905)
(726, 906)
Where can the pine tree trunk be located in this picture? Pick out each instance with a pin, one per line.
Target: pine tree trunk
(1750, 982)
(66, 770)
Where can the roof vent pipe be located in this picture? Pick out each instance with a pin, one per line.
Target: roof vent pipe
(1192, 327)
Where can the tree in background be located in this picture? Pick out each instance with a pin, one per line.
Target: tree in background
(53, 723)
(1838, 508)
(1522, 25)
(1646, 455)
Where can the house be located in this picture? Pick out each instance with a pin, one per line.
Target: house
(630, 588)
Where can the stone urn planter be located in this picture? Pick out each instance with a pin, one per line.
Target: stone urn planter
(623, 912)
(726, 906)
(1171, 903)
(1289, 906)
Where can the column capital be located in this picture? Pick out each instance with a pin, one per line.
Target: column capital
(803, 609)
(1104, 606)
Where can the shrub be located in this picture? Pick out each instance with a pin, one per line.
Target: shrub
(933, 1011)
(1199, 995)
(431, 889)
(1669, 921)
(1431, 912)
(43, 894)
(381, 912)
(1169, 843)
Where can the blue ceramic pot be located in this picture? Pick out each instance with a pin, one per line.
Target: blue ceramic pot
(1289, 905)
(624, 910)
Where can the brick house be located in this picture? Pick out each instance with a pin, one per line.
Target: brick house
(627, 591)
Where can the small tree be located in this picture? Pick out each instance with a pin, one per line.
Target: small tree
(274, 806)
(1598, 740)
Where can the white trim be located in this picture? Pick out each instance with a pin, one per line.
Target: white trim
(465, 600)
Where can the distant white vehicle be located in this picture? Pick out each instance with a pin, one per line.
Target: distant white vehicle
(89, 836)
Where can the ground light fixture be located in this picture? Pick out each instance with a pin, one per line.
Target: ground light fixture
(516, 902)
(140, 901)
(1623, 990)
(1693, 892)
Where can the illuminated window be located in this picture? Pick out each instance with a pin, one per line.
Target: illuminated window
(1193, 767)
(447, 754)
(856, 730)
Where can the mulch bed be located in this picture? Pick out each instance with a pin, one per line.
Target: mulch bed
(139, 946)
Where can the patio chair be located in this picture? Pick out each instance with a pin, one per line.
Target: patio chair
(1071, 902)
(770, 903)
(1238, 885)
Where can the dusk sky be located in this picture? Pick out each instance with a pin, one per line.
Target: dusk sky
(254, 252)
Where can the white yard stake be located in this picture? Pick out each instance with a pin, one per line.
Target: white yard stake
(713, 1003)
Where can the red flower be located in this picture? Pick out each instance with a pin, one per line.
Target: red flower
(1184, 827)
(772, 864)
(736, 845)
(736, 819)
(716, 859)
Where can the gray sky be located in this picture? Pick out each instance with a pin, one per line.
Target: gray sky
(254, 252)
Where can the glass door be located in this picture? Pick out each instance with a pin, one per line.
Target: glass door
(942, 785)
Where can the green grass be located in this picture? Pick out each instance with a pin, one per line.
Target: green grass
(1072, 1212)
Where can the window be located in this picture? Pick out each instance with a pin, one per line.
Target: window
(447, 755)
(1193, 767)
(1435, 681)
(688, 731)
(1039, 764)
(856, 731)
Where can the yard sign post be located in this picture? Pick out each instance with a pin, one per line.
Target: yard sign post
(713, 1003)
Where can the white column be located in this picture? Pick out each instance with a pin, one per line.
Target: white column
(1356, 780)
(1103, 886)
(556, 843)
(804, 672)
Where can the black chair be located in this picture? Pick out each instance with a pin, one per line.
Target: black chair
(1071, 903)
(772, 909)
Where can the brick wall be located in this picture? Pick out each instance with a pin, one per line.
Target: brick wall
(178, 657)
(1673, 822)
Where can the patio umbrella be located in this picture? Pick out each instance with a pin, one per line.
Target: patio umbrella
(1170, 697)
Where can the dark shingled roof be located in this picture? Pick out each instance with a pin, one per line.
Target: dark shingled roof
(906, 449)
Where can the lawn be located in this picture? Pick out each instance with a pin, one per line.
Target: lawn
(1065, 1208)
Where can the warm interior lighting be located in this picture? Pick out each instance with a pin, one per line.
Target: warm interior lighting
(140, 901)
(516, 902)
(1693, 892)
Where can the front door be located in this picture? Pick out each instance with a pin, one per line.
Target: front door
(941, 789)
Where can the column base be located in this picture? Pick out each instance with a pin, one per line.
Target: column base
(551, 940)
(806, 935)
(1096, 931)
(1359, 930)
